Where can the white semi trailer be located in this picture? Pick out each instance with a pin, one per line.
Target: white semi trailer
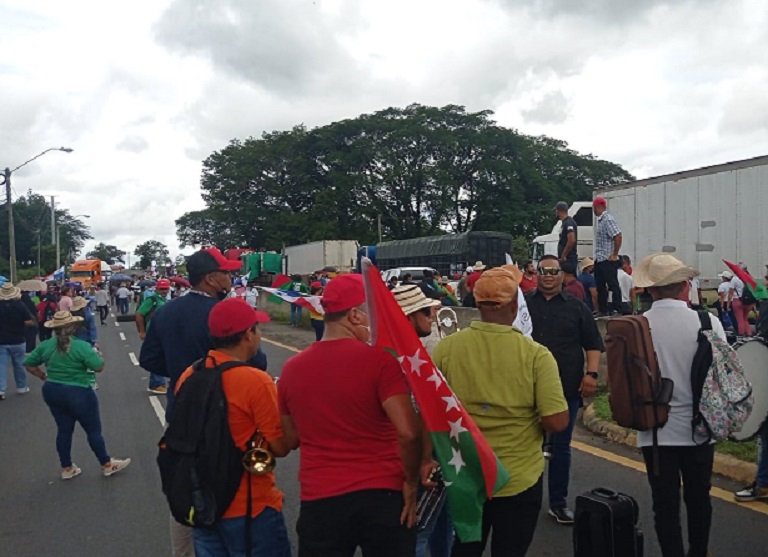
(701, 216)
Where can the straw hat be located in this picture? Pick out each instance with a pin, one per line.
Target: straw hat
(411, 298)
(661, 269)
(78, 303)
(478, 266)
(587, 262)
(9, 292)
(61, 318)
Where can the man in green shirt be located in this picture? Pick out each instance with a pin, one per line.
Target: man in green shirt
(143, 318)
(511, 387)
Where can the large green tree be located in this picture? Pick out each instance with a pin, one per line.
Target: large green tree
(107, 252)
(150, 251)
(32, 226)
(417, 170)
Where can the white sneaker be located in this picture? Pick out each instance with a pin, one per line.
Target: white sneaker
(71, 472)
(114, 466)
(22, 391)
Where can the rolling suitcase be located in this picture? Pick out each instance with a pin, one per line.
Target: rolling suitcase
(606, 525)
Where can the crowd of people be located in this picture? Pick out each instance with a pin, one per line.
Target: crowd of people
(365, 455)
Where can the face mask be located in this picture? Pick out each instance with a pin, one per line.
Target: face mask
(221, 295)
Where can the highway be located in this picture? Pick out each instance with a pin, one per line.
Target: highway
(126, 515)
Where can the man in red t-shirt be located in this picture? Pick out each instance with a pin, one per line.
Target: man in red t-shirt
(529, 282)
(570, 283)
(251, 406)
(349, 405)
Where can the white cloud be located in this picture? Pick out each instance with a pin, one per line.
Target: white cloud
(144, 92)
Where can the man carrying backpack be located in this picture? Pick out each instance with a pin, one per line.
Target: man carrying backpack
(251, 398)
(674, 332)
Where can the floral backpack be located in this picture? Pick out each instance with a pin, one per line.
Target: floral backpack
(722, 395)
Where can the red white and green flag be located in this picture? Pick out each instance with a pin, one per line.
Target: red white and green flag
(471, 470)
(758, 290)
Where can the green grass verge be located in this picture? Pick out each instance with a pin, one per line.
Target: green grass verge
(746, 451)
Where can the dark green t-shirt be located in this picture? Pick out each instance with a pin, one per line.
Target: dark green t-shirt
(150, 305)
(73, 367)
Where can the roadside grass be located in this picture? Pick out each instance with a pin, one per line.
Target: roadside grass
(746, 451)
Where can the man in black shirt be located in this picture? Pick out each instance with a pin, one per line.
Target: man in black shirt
(569, 235)
(14, 320)
(565, 326)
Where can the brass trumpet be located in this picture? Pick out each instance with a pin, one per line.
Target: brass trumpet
(430, 500)
(447, 322)
(257, 459)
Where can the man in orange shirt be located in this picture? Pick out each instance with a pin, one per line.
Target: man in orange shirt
(252, 406)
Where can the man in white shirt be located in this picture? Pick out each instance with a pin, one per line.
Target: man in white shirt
(674, 330)
(123, 296)
(725, 293)
(102, 304)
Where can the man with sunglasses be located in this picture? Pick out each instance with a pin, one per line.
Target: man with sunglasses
(565, 326)
(180, 335)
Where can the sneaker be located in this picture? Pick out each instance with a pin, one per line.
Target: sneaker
(22, 391)
(563, 515)
(95, 386)
(2, 396)
(114, 466)
(751, 493)
(159, 390)
(71, 472)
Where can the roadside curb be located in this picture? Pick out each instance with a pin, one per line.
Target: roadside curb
(724, 465)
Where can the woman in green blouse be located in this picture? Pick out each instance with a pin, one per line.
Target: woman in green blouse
(69, 366)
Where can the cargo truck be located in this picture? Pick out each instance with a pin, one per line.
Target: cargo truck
(316, 256)
(701, 216)
(86, 271)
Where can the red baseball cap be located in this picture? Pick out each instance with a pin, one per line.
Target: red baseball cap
(599, 201)
(233, 316)
(163, 283)
(316, 284)
(209, 260)
(343, 293)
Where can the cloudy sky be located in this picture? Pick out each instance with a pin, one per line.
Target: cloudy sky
(143, 91)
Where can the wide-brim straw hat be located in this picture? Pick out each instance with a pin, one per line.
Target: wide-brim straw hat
(478, 266)
(78, 303)
(411, 298)
(62, 318)
(661, 269)
(9, 292)
(587, 262)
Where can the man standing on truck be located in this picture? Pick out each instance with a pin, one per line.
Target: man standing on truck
(607, 246)
(569, 235)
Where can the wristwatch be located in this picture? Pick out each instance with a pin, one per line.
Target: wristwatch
(592, 374)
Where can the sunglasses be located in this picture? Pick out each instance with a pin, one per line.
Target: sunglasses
(551, 271)
(426, 311)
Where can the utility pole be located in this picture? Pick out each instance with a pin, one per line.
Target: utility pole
(53, 221)
(11, 228)
(58, 255)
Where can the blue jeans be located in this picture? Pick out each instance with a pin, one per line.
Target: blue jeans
(156, 380)
(269, 537)
(70, 404)
(295, 314)
(122, 304)
(762, 459)
(560, 464)
(15, 353)
(438, 535)
(319, 326)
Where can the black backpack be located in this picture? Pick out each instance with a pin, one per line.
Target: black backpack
(200, 465)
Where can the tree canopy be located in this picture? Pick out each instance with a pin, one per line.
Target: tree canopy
(32, 223)
(106, 252)
(421, 170)
(150, 251)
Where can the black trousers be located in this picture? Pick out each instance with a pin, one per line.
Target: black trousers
(606, 276)
(370, 519)
(103, 313)
(694, 466)
(513, 520)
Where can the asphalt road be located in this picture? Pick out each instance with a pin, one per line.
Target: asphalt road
(126, 515)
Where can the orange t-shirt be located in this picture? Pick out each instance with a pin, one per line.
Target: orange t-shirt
(252, 404)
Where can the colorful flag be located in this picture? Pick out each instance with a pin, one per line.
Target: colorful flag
(293, 297)
(758, 289)
(471, 470)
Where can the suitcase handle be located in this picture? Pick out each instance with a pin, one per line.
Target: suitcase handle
(606, 493)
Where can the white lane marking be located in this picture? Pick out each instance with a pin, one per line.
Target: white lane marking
(159, 410)
(117, 323)
(112, 314)
(122, 336)
(132, 356)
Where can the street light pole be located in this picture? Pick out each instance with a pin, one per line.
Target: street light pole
(11, 228)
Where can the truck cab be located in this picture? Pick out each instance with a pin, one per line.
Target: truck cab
(581, 212)
(86, 271)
